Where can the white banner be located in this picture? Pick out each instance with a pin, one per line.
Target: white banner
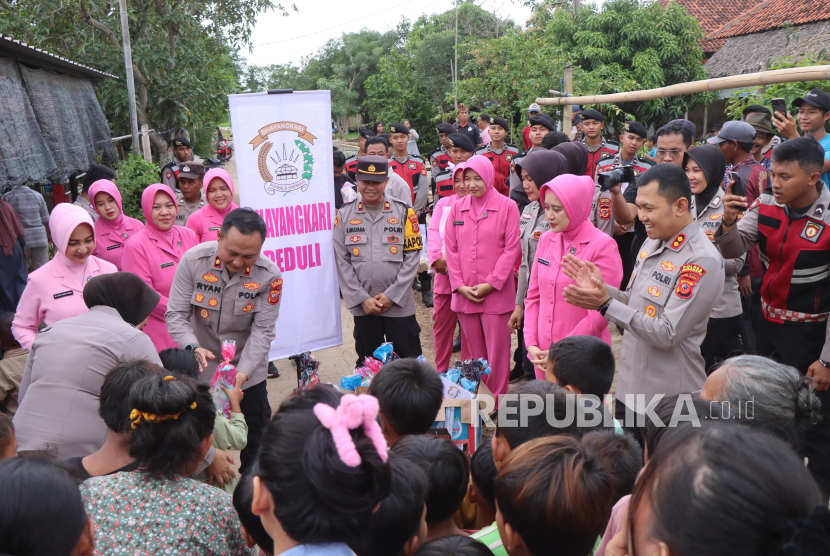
(284, 163)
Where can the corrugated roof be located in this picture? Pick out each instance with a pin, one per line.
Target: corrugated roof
(774, 14)
(37, 56)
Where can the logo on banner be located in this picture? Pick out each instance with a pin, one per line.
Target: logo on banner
(289, 165)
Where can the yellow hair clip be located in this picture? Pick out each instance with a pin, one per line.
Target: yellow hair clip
(169, 377)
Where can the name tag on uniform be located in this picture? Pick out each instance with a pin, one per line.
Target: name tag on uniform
(63, 294)
(165, 265)
(213, 229)
(543, 261)
(458, 223)
(111, 247)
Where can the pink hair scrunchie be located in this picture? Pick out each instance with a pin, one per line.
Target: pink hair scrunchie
(353, 412)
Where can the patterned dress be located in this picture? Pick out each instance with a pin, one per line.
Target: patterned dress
(140, 515)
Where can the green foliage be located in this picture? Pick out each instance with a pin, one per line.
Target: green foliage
(133, 175)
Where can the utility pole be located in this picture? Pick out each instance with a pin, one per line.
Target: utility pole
(128, 65)
(567, 112)
(455, 70)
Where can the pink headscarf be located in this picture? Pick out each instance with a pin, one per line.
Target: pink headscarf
(458, 168)
(481, 165)
(223, 175)
(576, 193)
(169, 237)
(119, 224)
(64, 219)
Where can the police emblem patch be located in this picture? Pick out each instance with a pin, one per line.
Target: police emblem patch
(412, 166)
(355, 252)
(213, 302)
(537, 234)
(392, 220)
(217, 262)
(210, 277)
(354, 239)
(654, 291)
(605, 208)
(690, 275)
(248, 308)
(204, 313)
(651, 311)
(251, 286)
(355, 221)
(667, 266)
(393, 250)
(715, 216)
(812, 231)
(508, 157)
(678, 241)
(337, 220)
(644, 254)
(393, 239)
(200, 297)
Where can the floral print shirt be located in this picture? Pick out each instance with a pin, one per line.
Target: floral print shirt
(139, 515)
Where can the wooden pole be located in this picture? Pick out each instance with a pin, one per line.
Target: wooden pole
(567, 115)
(789, 75)
(145, 143)
(128, 66)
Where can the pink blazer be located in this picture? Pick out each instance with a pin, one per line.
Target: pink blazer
(435, 240)
(206, 222)
(109, 243)
(154, 262)
(52, 294)
(483, 249)
(548, 318)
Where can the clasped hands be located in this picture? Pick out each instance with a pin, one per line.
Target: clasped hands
(588, 291)
(377, 305)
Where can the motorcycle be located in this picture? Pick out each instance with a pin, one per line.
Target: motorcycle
(224, 148)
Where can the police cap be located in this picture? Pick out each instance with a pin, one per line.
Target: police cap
(462, 142)
(398, 128)
(365, 132)
(500, 122)
(372, 168)
(192, 170)
(445, 128)
(636, 128)
(181, 142)
(592, 115)
(543, 120)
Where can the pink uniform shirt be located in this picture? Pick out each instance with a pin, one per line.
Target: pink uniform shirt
(55, 291)
(548, 318)
(112, 235)
(153, 255)
(482, 243)
(207, 220)
(437, 231)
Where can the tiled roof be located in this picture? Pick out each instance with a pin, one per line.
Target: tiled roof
(712, 14)
(33, 54)
(773, 14)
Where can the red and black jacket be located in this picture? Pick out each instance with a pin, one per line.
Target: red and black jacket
(501, 164)
(439, 158)
(442, 185)
(351, 167)
(413, 171)
(605, 149)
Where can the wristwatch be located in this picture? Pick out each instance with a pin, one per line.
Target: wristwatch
(604, 307)
(192, 347)
(826, 364)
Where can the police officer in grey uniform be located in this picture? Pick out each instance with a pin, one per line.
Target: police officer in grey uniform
(226, 290)
(377, 248)
(677, 280)
(540, 125)
(190, 196)
(182, 152)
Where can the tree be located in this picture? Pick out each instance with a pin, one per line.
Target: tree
(259, 79)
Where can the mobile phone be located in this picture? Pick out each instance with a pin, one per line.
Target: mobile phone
(737, 189)
(779, 105)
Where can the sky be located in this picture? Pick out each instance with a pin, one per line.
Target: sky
(283, 40)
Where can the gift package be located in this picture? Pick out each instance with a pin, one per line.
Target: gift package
(363, 375)
(225, 375)
(458, 415)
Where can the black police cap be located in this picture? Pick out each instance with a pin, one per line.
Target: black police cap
(445, 128)
(398, 128)
(592, 115)
(181, 142)
(543, 120)
(366, 132)
(372, 168)
(500, 122)
(636, 128)
(462, 142)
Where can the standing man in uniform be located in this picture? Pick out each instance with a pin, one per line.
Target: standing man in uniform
(439, 157)
(182, 152)
(593, 123)
(226, 290)
(351, 163)
(532, 111)
(677, 280)
(540, 126)
(190, 195)
(464, 126)
(377, 247)
(94, 173)
(790, 224)
(501, 154)
(461, 149)
(483, 123)
(396, 186)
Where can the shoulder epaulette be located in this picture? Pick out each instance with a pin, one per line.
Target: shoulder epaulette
(605, 159)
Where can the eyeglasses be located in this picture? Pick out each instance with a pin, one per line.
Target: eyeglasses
(674, 154)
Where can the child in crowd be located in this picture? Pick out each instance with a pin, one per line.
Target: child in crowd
(409, 393)
(554, 496)
(322, 473)
(8, 442)
(448, 473)
(11, 365)
(455, 545)
(581, 365)
(228, 434)
(399, 525)
(621, 453)
(482, 492)
(252, 529)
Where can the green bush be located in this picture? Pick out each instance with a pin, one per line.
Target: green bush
(133, 175)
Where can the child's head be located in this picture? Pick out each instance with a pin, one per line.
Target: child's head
(552, 492)
(621, 453)
(114, 401)
(446, 469)
(454, 545)
(8, 442)
(180, 361)
(252, 528)
(398, 527)
(582, 365)
(320, 477)
(7, 339)
(409, 393)
(483, 472)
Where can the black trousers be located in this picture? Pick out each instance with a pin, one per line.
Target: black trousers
(799, 345)
(257, 412)
(370, 331)
(722, 341)
(624, 243)
(520, 357)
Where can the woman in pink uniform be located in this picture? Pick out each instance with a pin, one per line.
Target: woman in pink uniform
(114, 227)
(548, 318)
(219, 194)
(154, 253)
(55, 291)
(482, 240)
(444, 318)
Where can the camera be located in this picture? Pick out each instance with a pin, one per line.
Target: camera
(615, 176)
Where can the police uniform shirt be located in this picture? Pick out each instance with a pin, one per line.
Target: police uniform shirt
(413, 167)
(470, 130)
(377, 254)
(517, 191)
(602, 215)
(208, 305)
(502, 161)
(439, 159)
(709, 220)
(87, 206)
(398, 188)
(665, 309)
(170, 175)
(531, 227)
(186, 208)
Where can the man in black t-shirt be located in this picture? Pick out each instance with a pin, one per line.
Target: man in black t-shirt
(465, 127)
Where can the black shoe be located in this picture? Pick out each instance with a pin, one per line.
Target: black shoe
(456, 344)
(273, 371)
(416, 285)
(517, 374)
(426, 296)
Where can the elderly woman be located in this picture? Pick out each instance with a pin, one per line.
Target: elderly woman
(548, 318)
(219, 189)
(154, 253)
(55, 290)
(68, 363)
(113, 228)
(482, 248)
(172, 420)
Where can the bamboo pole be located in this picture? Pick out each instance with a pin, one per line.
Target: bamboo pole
(789, 75)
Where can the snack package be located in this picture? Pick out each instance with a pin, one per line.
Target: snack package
(348, 193)
(225, 375)
(307, 372)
